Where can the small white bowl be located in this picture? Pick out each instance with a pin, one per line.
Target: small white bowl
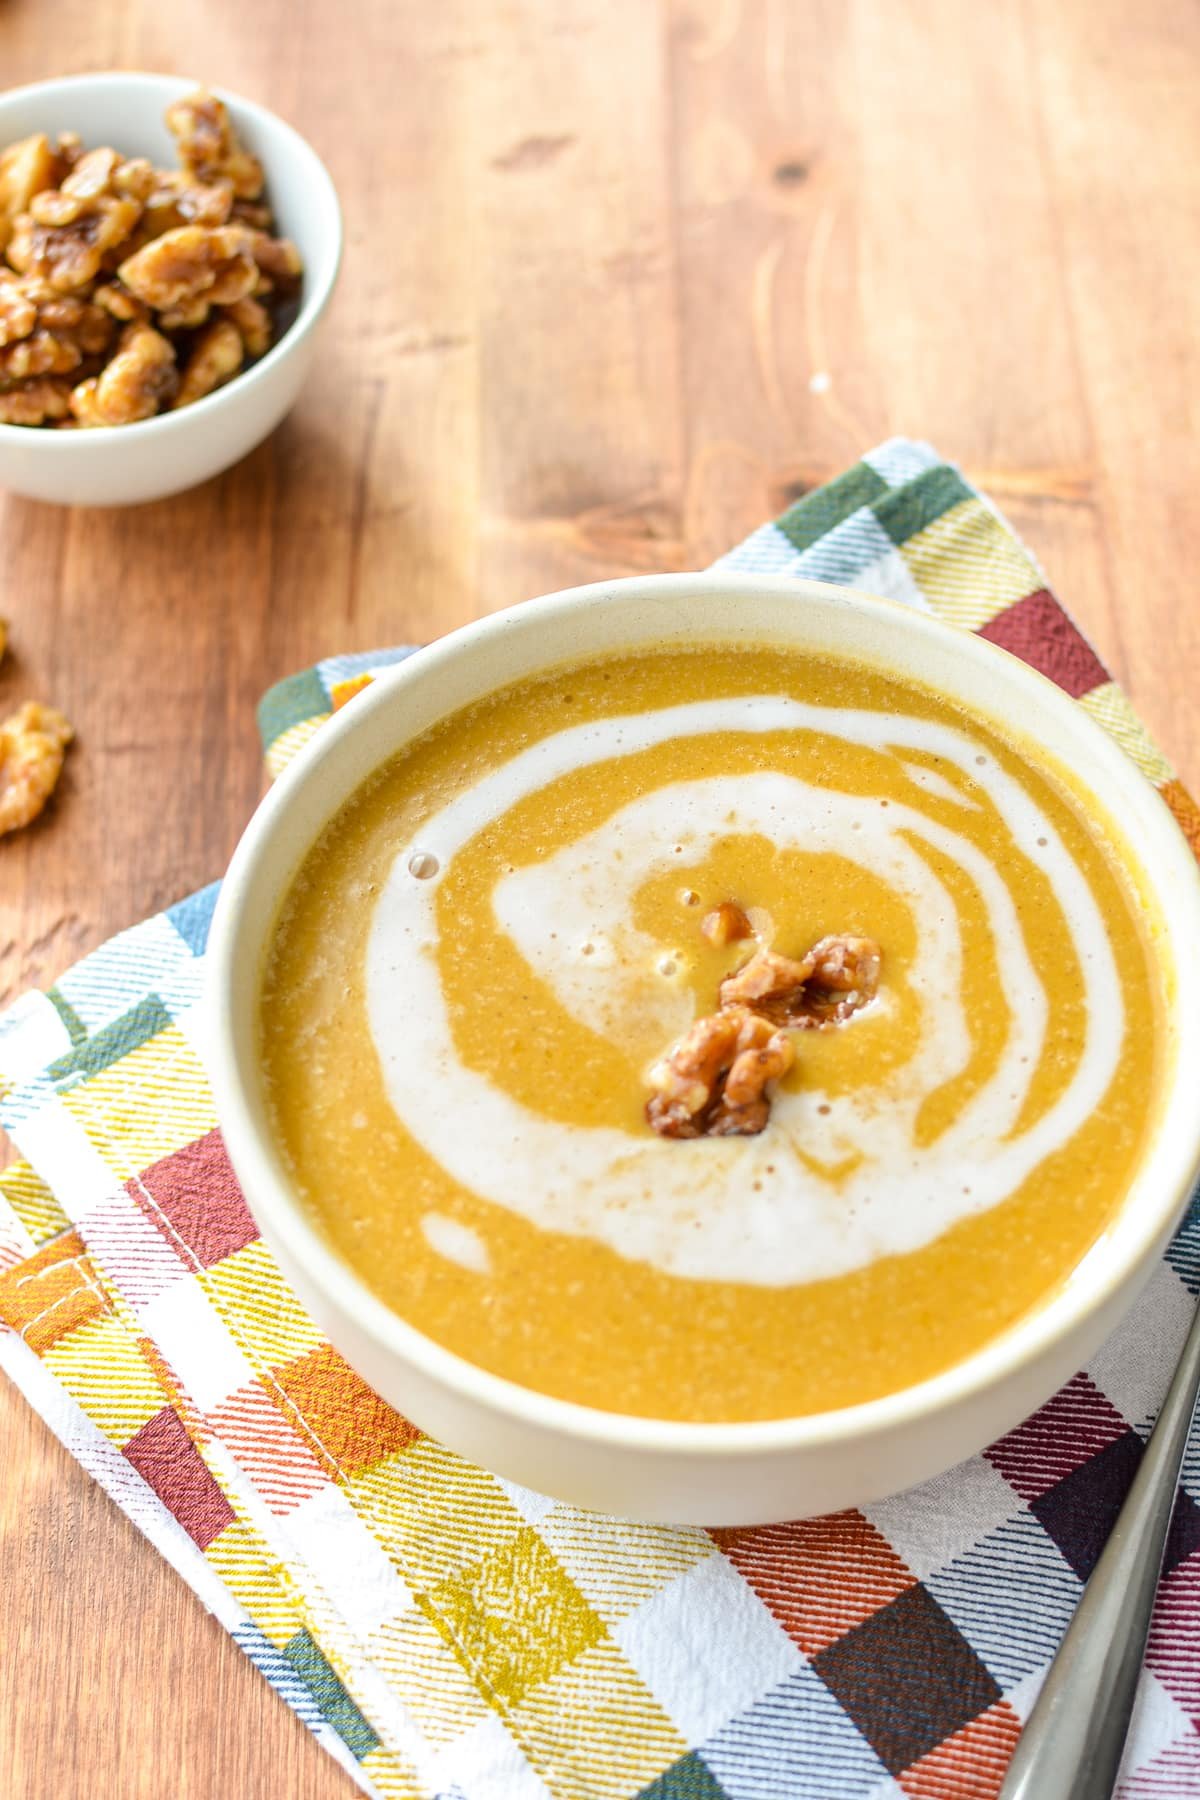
(705, 1473)
(122, 465)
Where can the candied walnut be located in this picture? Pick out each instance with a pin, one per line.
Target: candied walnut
(67, 241)
(66, 331)
(713, 1082)
(68, 316)
(34, 402)
(767, 980)
(97, 172)
(189, 264)
(91, 175)
(32, 745)
(18, 308)
(278, 258)
(726, 924)
(94, 240)
(176, 200)
(837, 977)
(42, 353)
(119, 303)
(217, 354)
(745, 1105)
(26, 168)
(198, 203)
(845, 975)
(255, 213)
(134, 178)
(160, 211)
(253, 322)
(68, 149)
(188, 317)
(140, 378)
(209, 148)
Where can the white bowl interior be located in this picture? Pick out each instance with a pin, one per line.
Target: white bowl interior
(583, 622)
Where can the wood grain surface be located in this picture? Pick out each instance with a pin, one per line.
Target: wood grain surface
(599, 254)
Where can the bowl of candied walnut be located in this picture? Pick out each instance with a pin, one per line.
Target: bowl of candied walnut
(166, 254)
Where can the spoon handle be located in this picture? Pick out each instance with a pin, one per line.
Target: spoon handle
(1071, 1747)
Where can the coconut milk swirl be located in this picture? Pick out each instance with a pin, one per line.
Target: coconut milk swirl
(766, 1214)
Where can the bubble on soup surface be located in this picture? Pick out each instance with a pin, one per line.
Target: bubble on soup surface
(423, 865)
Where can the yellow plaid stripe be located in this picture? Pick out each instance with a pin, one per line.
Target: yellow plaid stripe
(968, 566)
(618, 1563)
(23, 1189)
(1109, 707)
(257, 1580)
(286, 745)
(151, 1103)
(438, 1691)
(433, 1513)
(272, 1327)
(105, 1372)
(595, 1728)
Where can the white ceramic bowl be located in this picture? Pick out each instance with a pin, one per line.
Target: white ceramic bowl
(710, 1474)
(121, 465)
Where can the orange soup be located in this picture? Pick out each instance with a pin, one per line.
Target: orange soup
(508, 993)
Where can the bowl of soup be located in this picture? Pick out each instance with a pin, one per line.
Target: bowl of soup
(711, 1048)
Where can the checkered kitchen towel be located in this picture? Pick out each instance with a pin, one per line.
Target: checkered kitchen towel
(446, 1633)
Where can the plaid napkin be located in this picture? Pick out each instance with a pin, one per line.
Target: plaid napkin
(444, 1632)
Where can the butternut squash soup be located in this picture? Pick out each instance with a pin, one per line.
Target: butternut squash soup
(714, 1034)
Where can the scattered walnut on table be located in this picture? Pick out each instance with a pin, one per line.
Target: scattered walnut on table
(209, 147)
(140, 378)
(33, 743)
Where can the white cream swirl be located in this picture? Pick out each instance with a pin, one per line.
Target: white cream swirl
(743, 1209)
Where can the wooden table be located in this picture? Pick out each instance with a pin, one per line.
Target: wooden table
(622, 277)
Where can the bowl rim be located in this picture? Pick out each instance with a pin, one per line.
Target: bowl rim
(315, 293)
(1169, 1167)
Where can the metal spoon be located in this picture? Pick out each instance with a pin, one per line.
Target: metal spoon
(1071, 1747)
